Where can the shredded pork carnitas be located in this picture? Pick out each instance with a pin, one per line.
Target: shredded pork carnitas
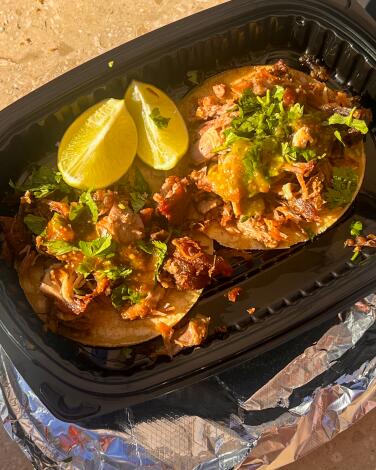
(276, 151)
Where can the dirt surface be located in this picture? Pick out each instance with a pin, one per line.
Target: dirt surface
(40, 39)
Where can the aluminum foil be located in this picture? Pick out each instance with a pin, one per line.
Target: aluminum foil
(262, 414)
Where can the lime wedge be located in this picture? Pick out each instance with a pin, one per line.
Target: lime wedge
(99, 146)
(162, 133)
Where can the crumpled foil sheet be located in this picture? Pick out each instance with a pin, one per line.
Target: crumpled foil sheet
(262, 414)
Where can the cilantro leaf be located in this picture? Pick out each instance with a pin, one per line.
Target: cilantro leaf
(59, 247)
(42, 182)
(86, 198)
(75, 211)
(244, 218)
(194, 76)
(140, 184)
(156, 248)
(279, 92)
(140, 191)
(356, 228)
(138, 200)
(160, 251)
(343, 187)
(101, 247)
(116, 272)
(35, 224)
(145, 246)
(349, 121)
(87, 267)
(339, 137)
(123, 293)
(295, 154)
(159, 120)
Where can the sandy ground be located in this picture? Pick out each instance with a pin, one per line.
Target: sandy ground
(40, 39)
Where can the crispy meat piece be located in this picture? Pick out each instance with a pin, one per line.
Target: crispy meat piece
(59, 228)
(191, 334)
(173, 199)
(251, 310)
(304, 208)
(60, 283)
(289, 96)
(15, 232)
(361, 241)
(280, 68)
(189, 267)
(105, 200)
(314, 65)
(199, 177)
(60, 207)
(219, 90)
(233, 294)
(123, 224)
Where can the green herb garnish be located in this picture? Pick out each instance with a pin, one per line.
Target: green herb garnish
(356, 228)
(102, 247)
(159, 120)
(160, 251)
(339, 137)
(59, 247)
(42, 182)
(343, 187)
(35, 224)
(349, 121)
(123, 293)
(85, 201)
(116, 272)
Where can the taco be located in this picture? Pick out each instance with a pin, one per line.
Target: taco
(102, 267)
(279, 155)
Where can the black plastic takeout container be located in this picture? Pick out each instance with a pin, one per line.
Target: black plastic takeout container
(292, 290)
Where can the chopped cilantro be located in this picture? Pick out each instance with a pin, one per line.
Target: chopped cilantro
(102, 247)
(156, 248)
(339, 137)
(138, 200)
(59, 247)
(279, 92)
(75, 211)
(194, 76)
(110, 64)
(42, 182)
(160, 251)
(295, 154)
(87, 199)
(141, 191)
(159, 120)
(145, 246)
(244, 218)
(343, 187)
(349, 121)
(87, 266)
(295, 112)
(140, 184)
(251, 159)
(116, 272)
(356, 228)
(35, 224)
(123, 293)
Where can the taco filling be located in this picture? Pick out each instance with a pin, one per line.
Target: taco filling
(279, 155)
(103, 267)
